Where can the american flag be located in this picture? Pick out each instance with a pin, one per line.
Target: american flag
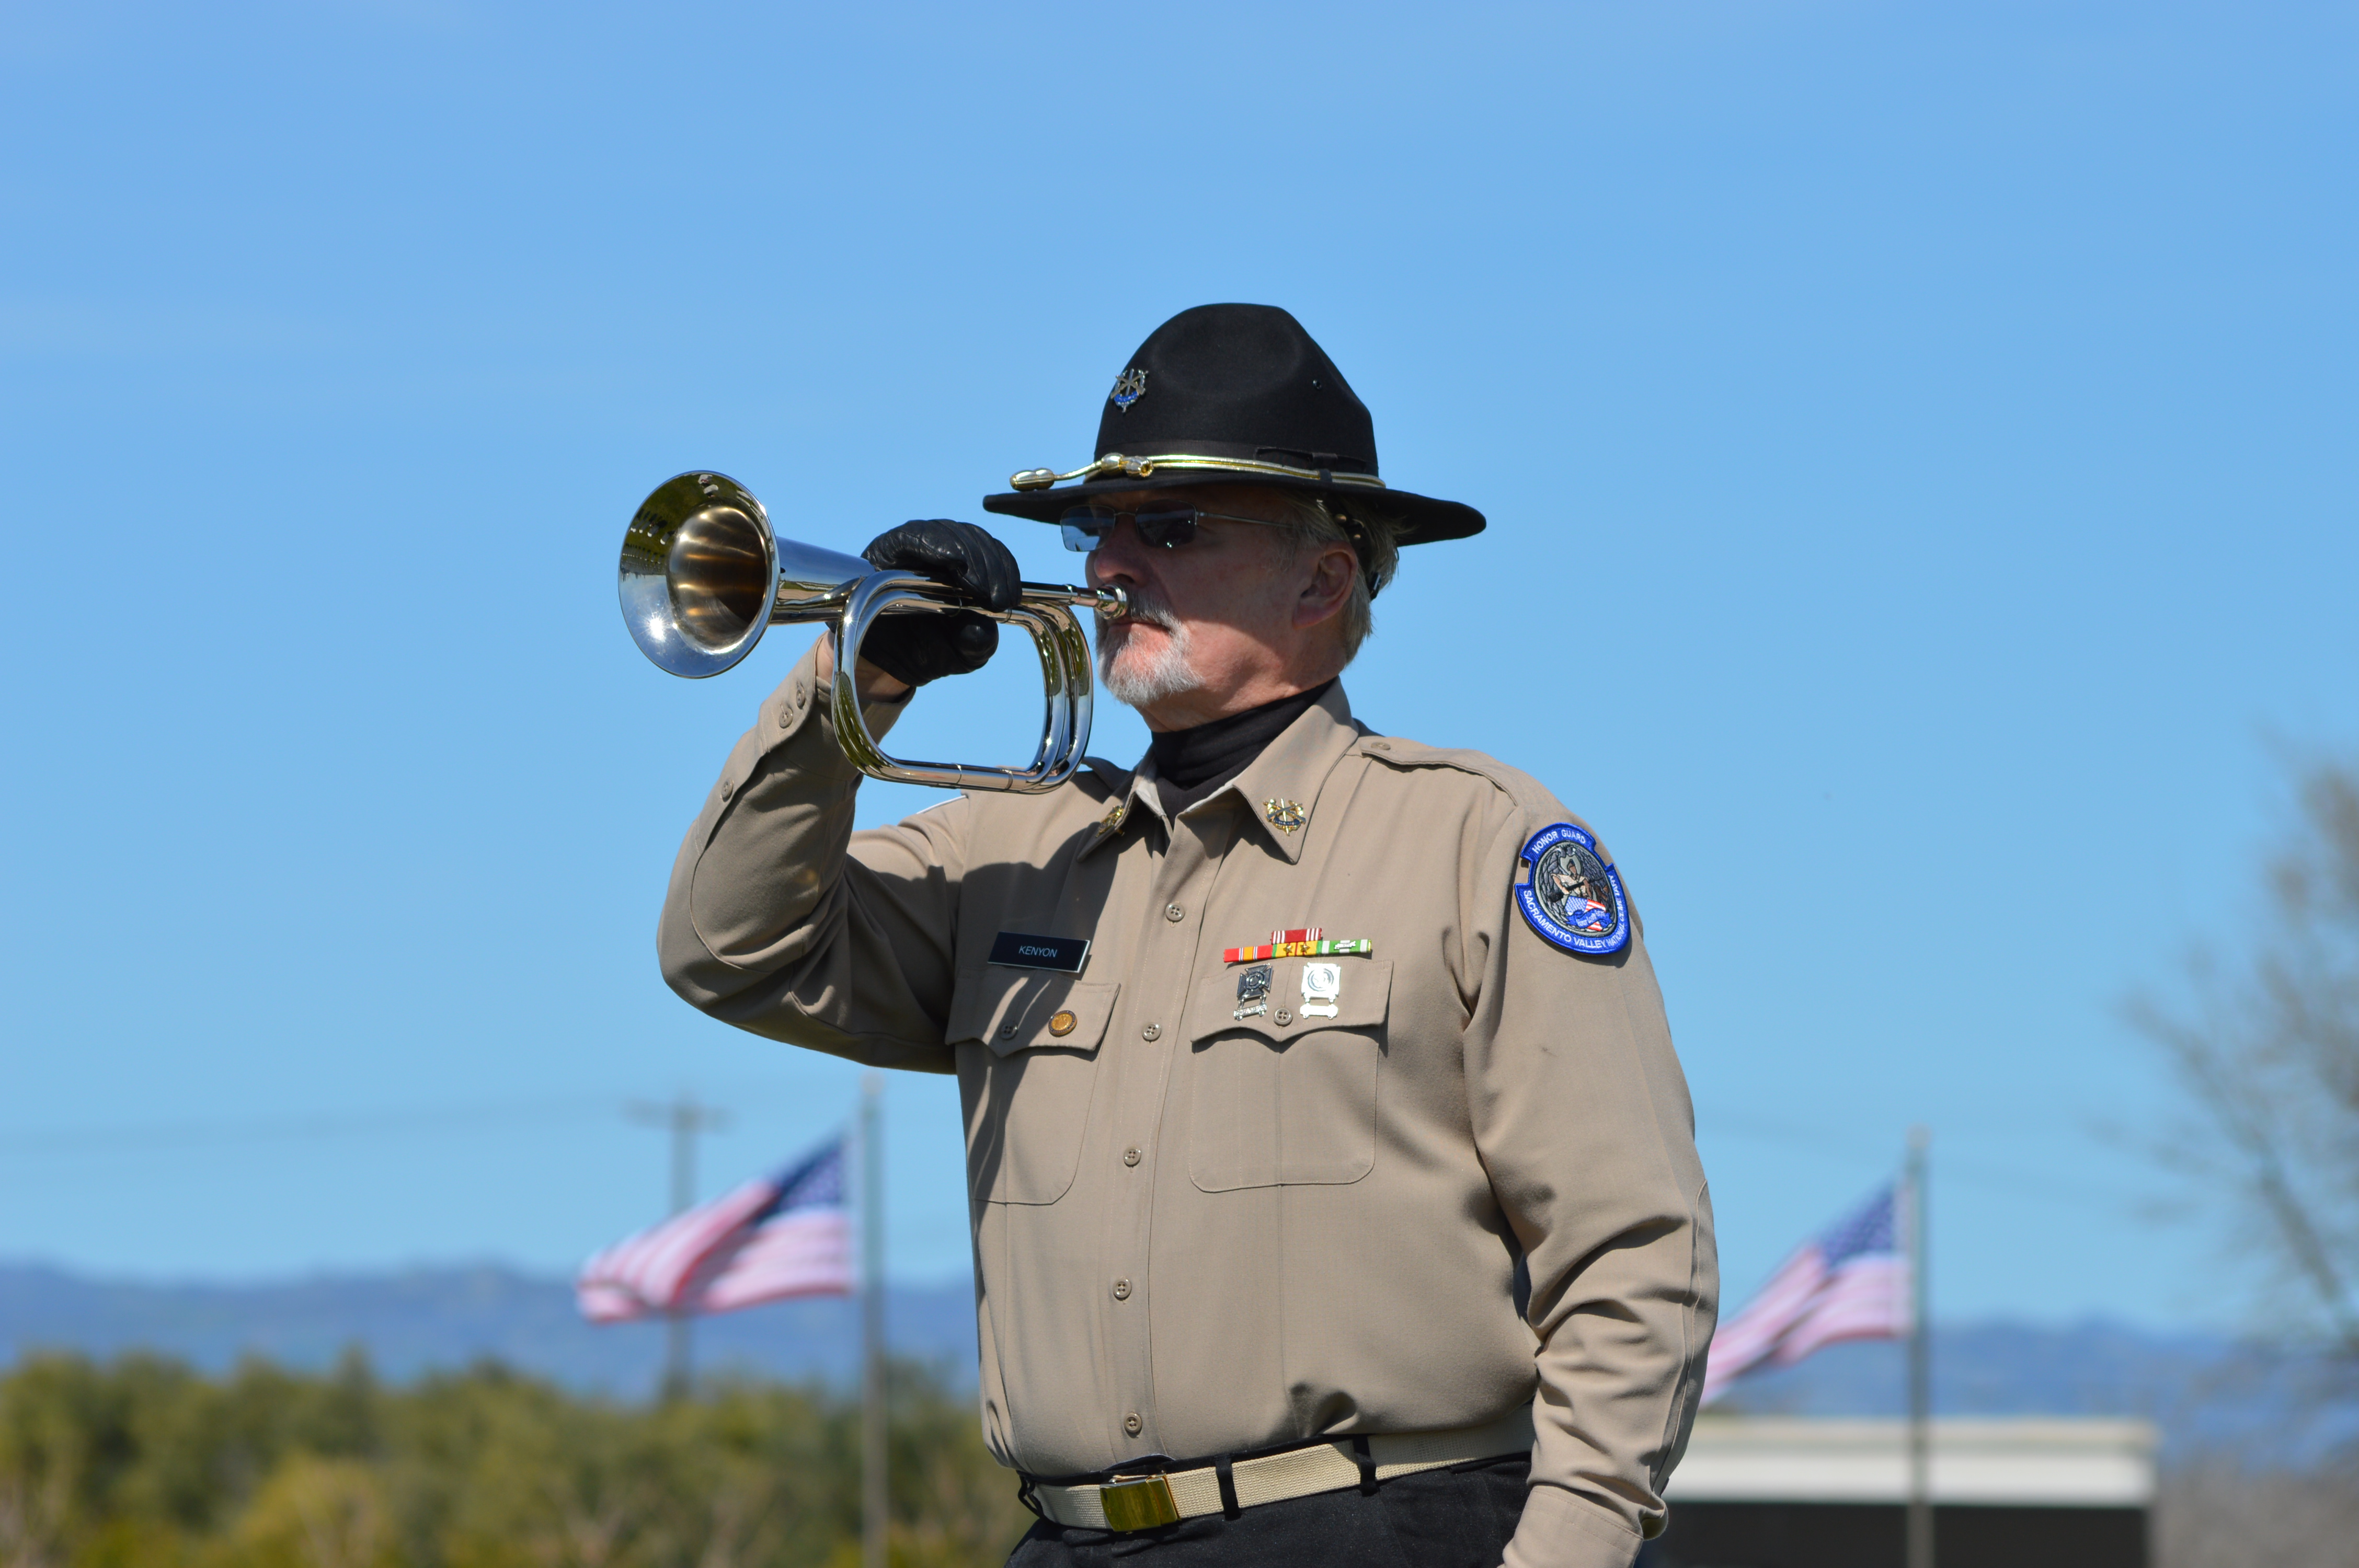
(776, 1236)
(1850, 1282)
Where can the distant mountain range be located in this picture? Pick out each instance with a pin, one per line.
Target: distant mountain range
(423, 1320)
(2206, 1392)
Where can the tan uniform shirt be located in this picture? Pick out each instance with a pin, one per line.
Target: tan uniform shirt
(1196, 1233)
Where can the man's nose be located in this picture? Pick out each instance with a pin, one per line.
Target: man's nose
(1121, 556)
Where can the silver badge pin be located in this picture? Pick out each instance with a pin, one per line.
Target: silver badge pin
(1322, 988)
(1253, 993)
(1129, 389)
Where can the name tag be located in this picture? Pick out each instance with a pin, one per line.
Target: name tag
(1015, 950)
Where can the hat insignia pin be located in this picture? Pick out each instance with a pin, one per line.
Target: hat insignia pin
(1286, 816)
(1129, 389)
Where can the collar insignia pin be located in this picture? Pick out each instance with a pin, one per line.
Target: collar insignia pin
(1129, 389)
(1112, 818)
(1286, 816)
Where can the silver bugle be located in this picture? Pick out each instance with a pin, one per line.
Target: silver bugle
(701, 562)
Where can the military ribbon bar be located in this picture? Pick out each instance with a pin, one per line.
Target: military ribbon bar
(1305, 948)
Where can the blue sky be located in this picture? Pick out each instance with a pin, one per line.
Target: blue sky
(1917, 444)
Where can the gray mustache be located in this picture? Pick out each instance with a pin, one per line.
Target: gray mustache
(1147, 608)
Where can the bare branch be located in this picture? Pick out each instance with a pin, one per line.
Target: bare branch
(2267, 1056)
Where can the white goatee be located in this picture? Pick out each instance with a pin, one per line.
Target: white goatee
(1132, 675)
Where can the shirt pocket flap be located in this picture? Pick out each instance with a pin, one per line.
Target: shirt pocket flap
(1362, 997)
(1015, 1009)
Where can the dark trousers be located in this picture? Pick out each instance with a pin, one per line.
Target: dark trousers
(1458, 1518)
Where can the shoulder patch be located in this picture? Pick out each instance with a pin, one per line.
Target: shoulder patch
(1571, 895)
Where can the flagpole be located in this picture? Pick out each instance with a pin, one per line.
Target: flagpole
(1920, 1362)
(873, 1497)
(685, 1119)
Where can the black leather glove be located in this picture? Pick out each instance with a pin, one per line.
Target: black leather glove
(919, 648)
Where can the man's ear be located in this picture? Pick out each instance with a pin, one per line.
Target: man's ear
(1329, 586)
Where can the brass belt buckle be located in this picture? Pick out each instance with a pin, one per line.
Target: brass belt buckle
(1139, 1503)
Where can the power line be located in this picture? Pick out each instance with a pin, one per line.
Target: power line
(1842, 1144)
(311, 1124)
(139, 1136)
(1849, 1146)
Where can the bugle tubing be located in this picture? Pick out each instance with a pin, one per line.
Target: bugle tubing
(704, 575)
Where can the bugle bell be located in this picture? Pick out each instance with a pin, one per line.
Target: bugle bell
(704, 575)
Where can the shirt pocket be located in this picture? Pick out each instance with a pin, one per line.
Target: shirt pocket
(1276, 1104)
(1028, 1047)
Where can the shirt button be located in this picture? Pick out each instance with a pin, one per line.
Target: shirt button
(1122, 1290)
(787, 717)
(1132, 1424)
(1152, 1031)
(1130, 1156)
(725, 788)
(1284, 1018)
(1173, 912)
(1008, 1032)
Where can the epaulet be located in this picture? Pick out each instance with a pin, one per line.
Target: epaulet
(1519, 787)
(1554, 832)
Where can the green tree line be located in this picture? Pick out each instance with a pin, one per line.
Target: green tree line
(142, 1463)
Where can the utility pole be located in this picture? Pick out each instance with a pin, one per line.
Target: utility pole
(686, 1118)
(875, 1498)
(1920, 1360)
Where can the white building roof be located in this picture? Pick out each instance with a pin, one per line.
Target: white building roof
(2054, 1463)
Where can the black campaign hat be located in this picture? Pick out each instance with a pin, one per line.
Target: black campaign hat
(1234, 394)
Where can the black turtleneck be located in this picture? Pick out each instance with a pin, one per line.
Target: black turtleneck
(1191, 764)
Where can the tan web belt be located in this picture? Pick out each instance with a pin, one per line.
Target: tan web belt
(1142, 1502)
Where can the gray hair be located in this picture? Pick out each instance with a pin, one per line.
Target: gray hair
(1318, 519)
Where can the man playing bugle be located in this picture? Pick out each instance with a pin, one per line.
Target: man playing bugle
(1333, 1183)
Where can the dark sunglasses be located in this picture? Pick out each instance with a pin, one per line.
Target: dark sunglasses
(1163, 528)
